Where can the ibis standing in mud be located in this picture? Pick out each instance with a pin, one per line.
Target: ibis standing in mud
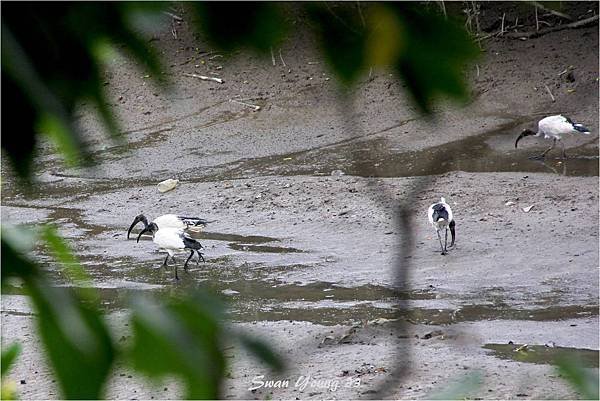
(171, 221)
(554, 127)
(173, 240)
(441, 218)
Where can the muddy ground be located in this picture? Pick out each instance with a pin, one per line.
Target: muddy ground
(304, 243)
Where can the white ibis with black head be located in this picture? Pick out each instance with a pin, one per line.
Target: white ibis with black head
(441, 218)
(171, 221)
(554, 127)
(173, 240)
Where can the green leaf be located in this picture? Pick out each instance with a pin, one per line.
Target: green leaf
(434, 57)
(585, 381)
(75, 337)
(342, 39)
(188, 334)
(17, 242)
(64, 255)
(51, 66)
(385, 40)
(61, 133)
(73, 331)
(262, 351)
(9, 355)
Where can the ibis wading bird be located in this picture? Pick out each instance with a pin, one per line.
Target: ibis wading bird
(440, 217)
(554, 127)
(173, 240)
(171, 221)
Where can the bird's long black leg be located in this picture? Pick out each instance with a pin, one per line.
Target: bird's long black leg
(440, 238)
(446, 241)
(165, 262)
(200, 256)
(543, 155)
(176, 275)
(188, 259)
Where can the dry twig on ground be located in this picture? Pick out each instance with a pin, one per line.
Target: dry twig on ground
(535, 34)
(204, 78)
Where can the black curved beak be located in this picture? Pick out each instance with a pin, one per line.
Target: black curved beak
(452, 225)
(142, 232)
(519, 138)
(523, 135)
(135, 221)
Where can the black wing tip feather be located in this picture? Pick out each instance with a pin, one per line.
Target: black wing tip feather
(194, 221)
(577, 126)
(580, 128)
(191, 243)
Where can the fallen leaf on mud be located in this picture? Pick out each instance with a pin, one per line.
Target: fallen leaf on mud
(528, 208)
(167, 185)
(509, 203)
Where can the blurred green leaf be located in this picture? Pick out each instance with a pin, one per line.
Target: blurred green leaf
(8, 390)
(51, 64)
(64, 255)
(262, 351)
(342, 38)
(231, 25)
(584, 381)
(459, 389)
(61, 133)
(74, 333)
(9, 355)
(16, 242)
(433, 61)
(187, 336)
(75, 337)
(385, 41)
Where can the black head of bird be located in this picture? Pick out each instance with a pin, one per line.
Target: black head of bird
(526, 132)
(150, 228)
(138, 218)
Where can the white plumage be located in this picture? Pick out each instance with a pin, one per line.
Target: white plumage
(172, 240)
(190, 224)
(441, 218)
(555, 128)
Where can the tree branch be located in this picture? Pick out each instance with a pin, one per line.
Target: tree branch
(535, 34)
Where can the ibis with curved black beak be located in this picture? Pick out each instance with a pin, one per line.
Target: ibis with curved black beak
(441, 218)
(190, 224)
(554, 127)
(173, 240)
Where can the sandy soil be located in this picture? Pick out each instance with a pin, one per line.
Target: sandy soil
(303, 246)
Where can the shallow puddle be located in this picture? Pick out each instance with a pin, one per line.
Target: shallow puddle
(541, 354)
(263, 248)
(377, 159)
(247, 239)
